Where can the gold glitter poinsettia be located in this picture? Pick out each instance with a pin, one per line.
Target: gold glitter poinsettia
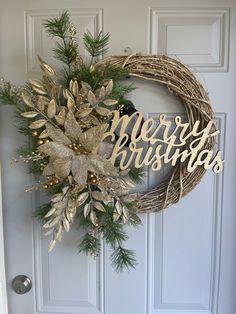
(76, 152)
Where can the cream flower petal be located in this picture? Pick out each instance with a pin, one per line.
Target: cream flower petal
(100, 165)
(57, 135)
(55, 149)
(91, 139)
(105, 150)
(72, 128)
(62, 167)
(79, 169)
(48, 170)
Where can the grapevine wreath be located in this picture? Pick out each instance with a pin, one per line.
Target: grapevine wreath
(66, 114)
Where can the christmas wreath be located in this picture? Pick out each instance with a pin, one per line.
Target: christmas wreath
(66, 116)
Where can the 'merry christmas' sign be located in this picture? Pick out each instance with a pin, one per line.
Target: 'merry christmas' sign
(161, 150)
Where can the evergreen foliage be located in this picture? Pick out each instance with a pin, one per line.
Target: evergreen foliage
(66, 51)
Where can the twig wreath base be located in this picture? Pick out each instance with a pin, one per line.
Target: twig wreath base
(180, 80)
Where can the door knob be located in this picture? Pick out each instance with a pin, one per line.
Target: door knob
(21, 284)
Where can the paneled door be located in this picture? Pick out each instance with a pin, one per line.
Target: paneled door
(186, 253)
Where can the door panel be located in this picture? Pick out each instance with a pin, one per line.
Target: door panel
(186, 253)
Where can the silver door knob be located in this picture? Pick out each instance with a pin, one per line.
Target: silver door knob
(21, 284)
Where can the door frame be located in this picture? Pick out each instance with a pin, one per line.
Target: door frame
(3, 283)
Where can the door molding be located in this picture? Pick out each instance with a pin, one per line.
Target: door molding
(3, 284)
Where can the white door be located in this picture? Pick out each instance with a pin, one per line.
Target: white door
(186, 253)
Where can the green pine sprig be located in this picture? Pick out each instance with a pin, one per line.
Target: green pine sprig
(90, 245)
(136, 175)
(122, 259)
(96, 45)
(66, 49)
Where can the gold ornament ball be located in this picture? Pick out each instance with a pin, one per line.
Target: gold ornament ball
(70, 146)
(35, 133)
(40, 142)
(56, 181)
(51, 183)
(45, 186)
(94, 180)
(91, 176)
(47, 141)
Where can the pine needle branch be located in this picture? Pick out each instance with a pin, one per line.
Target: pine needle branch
(96, 45)
(41, 211)
(57, 26)
(122, 258)
(61, 27)
(136, 175)
(9, 95)
(90, 245)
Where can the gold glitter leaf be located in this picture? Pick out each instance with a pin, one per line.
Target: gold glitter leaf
(67, 93)
(44, 134)
(66, 224)
(42, 102)
(72, 128)
(102, 111)
(102, 93)
(93, 218)
(86, 86)
(46, 68)
(109, 87)
(92, 98)
(58, 234)
(39, 90)
(29, 114)
(37, 124)
(82, 198)
(60, 118)
(57, 197)
(71, 85)
(27, 99)
(126, 212)
(50, 212)
(75, 89)
(51, 223)
(99, 206)
(85, 112)
(52, 109)
(36, 83)
(55, 149)
(87, 208)
(51, 245)
(116, 217)
(62, 167)
(101, 196)
(119, 208)
(70, 103)
(110, 102)
(57, 135)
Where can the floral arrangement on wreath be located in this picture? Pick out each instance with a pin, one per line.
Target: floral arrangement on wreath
(65, 116)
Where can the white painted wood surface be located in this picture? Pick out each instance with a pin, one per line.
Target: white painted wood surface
(187, 252)
(3, 284)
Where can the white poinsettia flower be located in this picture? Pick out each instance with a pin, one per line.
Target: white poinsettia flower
(77, 152)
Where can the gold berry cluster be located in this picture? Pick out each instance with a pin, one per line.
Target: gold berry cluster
(78, 148)
(92, 178)
(50, 182)
(40, 141)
